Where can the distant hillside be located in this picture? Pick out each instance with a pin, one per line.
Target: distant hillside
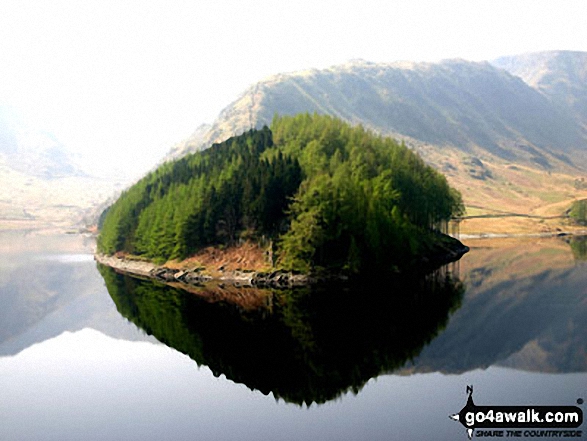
(42, 184)
(453, 103)
(559, 75)
(509, 135)
(32, 151)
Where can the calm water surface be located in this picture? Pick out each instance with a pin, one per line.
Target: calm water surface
(89, 354)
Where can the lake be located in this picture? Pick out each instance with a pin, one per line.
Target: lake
(86, 353)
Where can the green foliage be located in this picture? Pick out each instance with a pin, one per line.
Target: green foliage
(332, 196)
(579, 212)
(204, 199)
(365, 198)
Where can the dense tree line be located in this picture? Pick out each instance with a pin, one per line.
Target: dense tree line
(327, 195)
(208, 198)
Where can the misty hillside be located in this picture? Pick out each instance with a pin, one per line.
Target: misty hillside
(559, 75)
(33, 152)
(42, 183)
(466, 105)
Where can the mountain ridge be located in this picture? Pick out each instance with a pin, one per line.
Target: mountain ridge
(504, 144)
(453, 102)
(559, 75)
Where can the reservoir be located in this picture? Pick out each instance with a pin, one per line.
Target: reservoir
(86, 353)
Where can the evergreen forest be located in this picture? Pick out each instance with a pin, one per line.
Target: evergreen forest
(316, 191)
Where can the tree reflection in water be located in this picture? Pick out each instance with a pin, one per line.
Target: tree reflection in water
(579, 247)
(307, 345)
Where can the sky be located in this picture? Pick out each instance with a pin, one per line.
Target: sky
(120, 82)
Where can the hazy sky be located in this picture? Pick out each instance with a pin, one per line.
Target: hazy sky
(125, 80)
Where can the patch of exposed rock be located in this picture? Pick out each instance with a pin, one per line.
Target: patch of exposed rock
(276, 279)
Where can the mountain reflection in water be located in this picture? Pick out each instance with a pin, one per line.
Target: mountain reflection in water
(525, 308)
(306, 346)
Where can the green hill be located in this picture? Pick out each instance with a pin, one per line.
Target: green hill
(314, 190)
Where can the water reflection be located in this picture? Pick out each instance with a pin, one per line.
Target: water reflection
(579, 247)
(49, 285)
(525, 308)
(308, 345)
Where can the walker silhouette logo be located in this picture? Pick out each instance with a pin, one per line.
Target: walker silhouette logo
(482, 420)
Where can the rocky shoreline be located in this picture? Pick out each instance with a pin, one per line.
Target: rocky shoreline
(444, 256)
(275, 279)
(278, 279)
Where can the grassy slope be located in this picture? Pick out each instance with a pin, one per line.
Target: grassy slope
(510, 188)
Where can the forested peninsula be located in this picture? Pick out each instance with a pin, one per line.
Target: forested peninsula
(311, 192)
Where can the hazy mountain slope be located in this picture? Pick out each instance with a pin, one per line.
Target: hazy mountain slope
(559, 75)
(197, 138)
(41, 182)
(8, 141)
(454, 103)
(33, 152)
